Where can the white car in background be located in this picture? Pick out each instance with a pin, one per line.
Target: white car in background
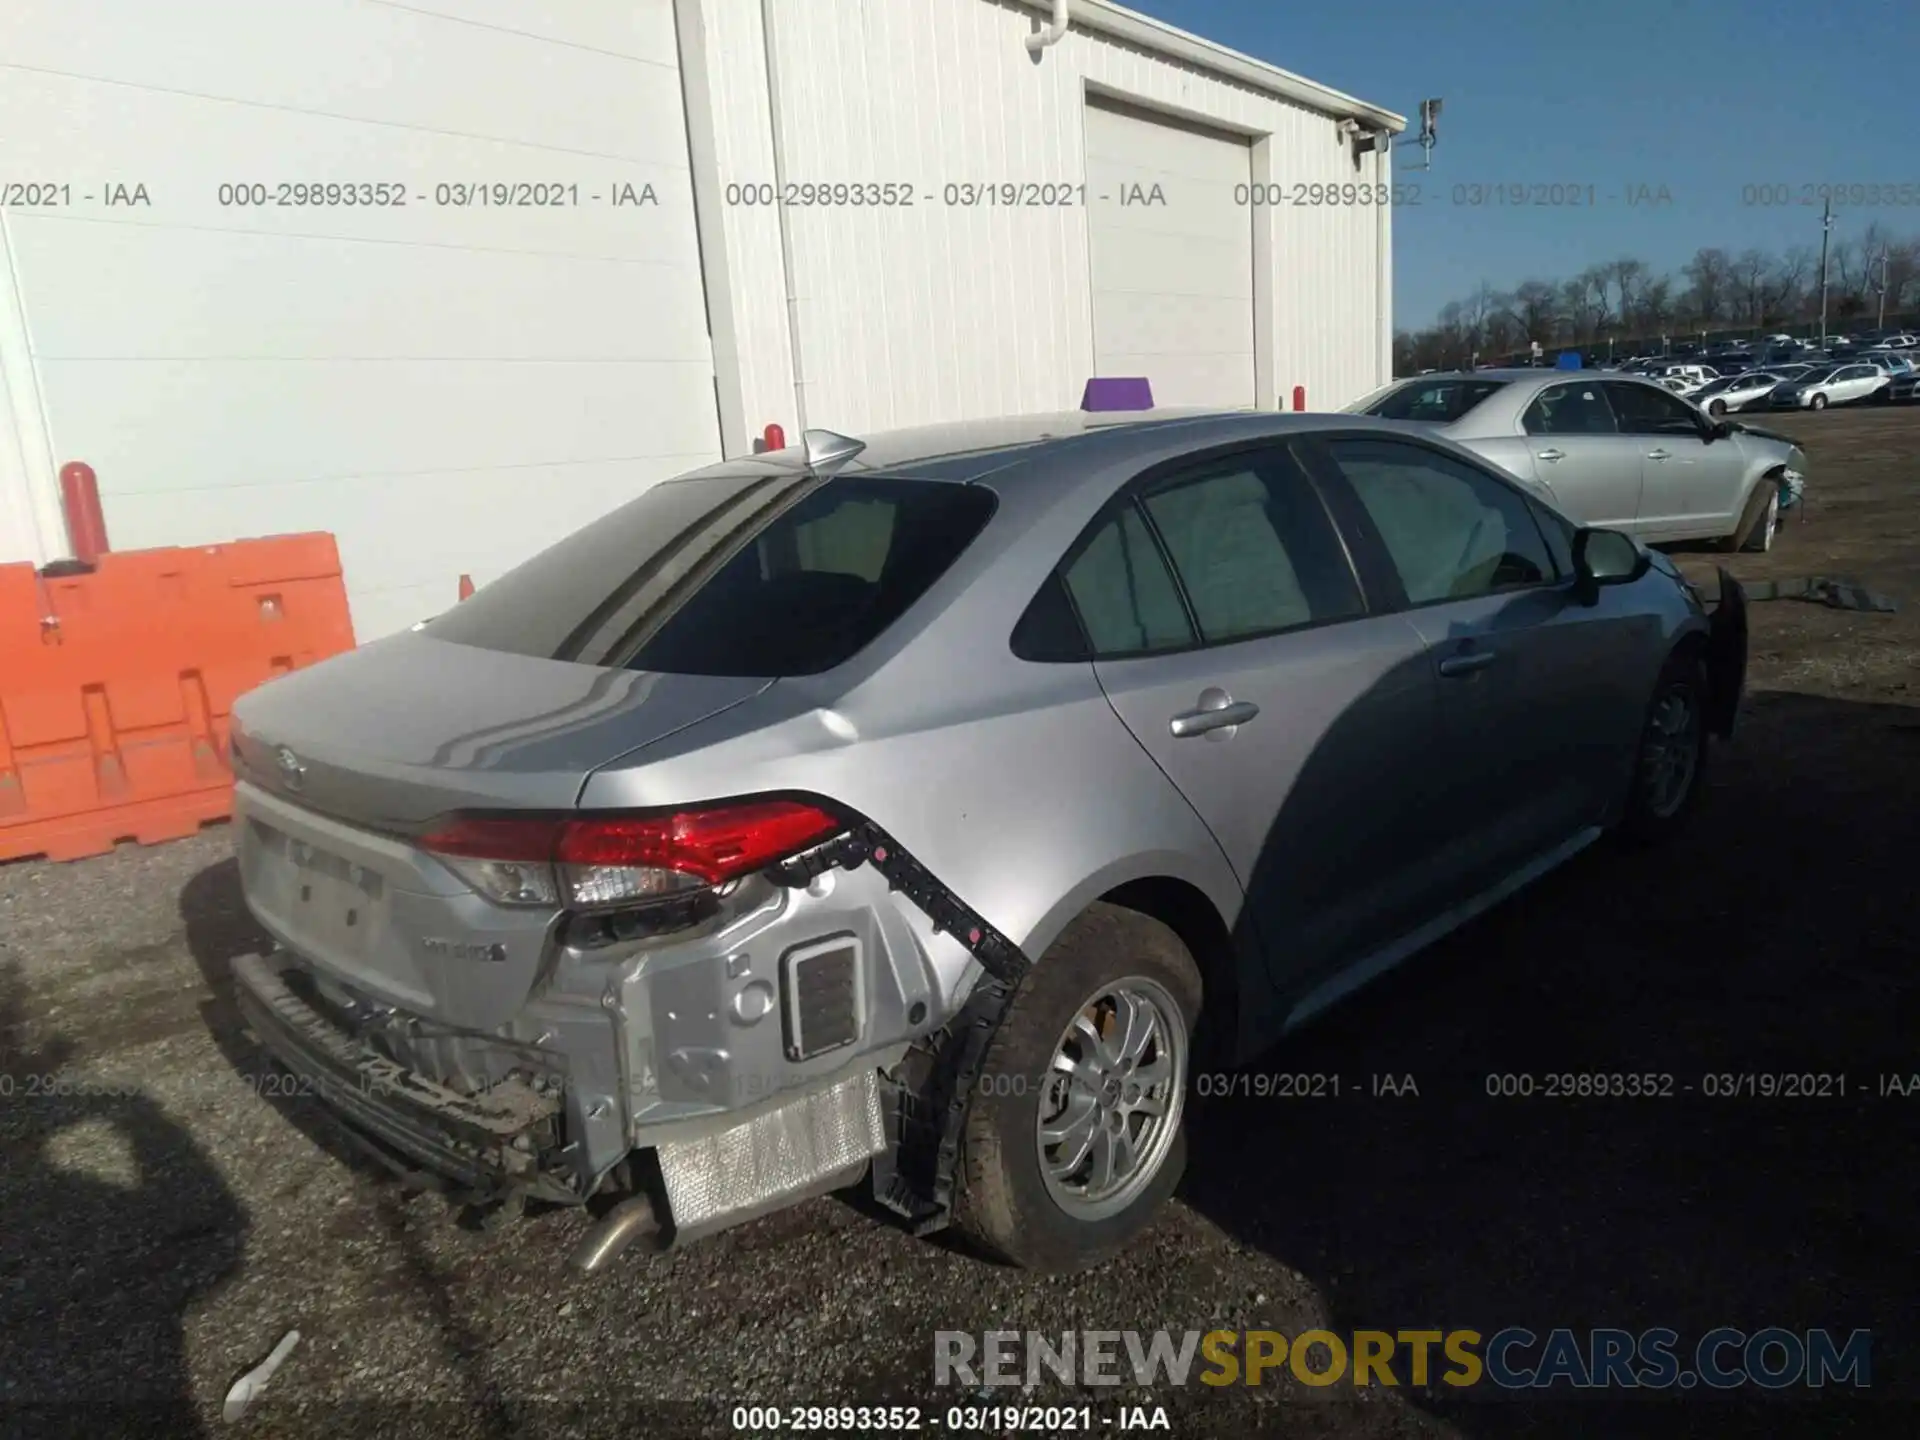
(1850, 383)
(1889, 361)
(1692, 376)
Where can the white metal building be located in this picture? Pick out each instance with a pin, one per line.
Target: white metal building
(209, 292)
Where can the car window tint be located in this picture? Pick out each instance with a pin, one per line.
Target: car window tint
(1438, 402)
(1255, 555)
(1127, 601)
(1451, 531)
(1049, 630)
(1570, 410)
(1646, 411)
(795, 592)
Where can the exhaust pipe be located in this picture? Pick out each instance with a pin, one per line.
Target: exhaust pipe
(618, 1228)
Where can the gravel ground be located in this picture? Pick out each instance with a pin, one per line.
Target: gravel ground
(167, 1218)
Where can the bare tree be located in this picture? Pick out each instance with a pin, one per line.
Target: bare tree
(1750, 291)
(1848, 265)
(1583, 299)
(1902, 275)
(1785, 288)
(1709, 276)
(1535, 308)
(1623, 278)
(1654, 312)
(1478, 314)
(1627, 301)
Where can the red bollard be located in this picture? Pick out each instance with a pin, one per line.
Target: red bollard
(80, 501)
(466, 587)
(1299, 397)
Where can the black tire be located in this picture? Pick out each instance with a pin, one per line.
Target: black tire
(1819, 402)
(1650, 816)
(1766, 527)
(1005, 1206)
(1753, 519)
(1717, 408)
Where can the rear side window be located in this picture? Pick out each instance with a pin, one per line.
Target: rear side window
(1120, 586)
(1439, 402)
(760, 576)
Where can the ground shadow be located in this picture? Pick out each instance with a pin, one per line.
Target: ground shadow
(113, 1225)
(220, 928)
(1778, 935)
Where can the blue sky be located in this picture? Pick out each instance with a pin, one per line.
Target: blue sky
(1701, 96)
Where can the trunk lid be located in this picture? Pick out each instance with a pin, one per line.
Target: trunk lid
(339, 763)
(411, 727)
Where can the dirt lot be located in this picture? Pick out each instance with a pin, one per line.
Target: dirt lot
(165, 1221)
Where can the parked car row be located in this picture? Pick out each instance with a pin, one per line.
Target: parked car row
(1616, 450)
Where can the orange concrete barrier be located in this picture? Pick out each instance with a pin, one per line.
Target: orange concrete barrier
(115, 685)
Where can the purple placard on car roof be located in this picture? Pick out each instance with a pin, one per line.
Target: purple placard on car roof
(1124, 392)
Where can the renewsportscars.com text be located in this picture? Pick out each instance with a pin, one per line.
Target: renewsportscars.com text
(1515, 1358)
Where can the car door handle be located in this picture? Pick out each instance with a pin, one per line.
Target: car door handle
(1553, 454)
(1199, 722)
(1659, 454)
(1466, 664)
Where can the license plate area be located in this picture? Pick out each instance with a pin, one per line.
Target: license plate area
(339, 907)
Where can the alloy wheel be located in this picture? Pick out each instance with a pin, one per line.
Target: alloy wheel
(1112, 1098)
(1670, 754)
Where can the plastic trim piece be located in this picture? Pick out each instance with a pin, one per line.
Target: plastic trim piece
(927, 1103)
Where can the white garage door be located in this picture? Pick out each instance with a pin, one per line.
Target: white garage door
(1172, 270)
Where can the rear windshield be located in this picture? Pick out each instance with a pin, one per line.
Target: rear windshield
(1438, 401)
(754, 576)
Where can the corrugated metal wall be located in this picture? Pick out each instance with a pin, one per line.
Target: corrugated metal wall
(444, 386)
(908, 315)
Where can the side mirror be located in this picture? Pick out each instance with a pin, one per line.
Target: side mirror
(1606, 557)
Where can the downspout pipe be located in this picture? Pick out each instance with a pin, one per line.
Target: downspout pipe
(1055, 32)
(1383, 265)
(786, 228)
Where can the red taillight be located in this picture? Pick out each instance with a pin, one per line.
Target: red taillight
(716, 845)
(486, 838)
(620, 859)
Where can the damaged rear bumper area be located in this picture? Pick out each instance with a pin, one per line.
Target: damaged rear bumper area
(534, 1129)
(504, 1140)
(508, 1144)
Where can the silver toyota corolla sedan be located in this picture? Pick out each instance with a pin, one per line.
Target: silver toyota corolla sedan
(923, 813)
(1613, 450)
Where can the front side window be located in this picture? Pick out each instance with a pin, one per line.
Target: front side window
(1570, 410)
(1645, 411)
(1451, 532)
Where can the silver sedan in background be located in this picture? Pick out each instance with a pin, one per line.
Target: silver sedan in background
(1612, 450)
(1733, 393)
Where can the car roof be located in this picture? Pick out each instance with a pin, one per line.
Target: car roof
(1013, 447)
